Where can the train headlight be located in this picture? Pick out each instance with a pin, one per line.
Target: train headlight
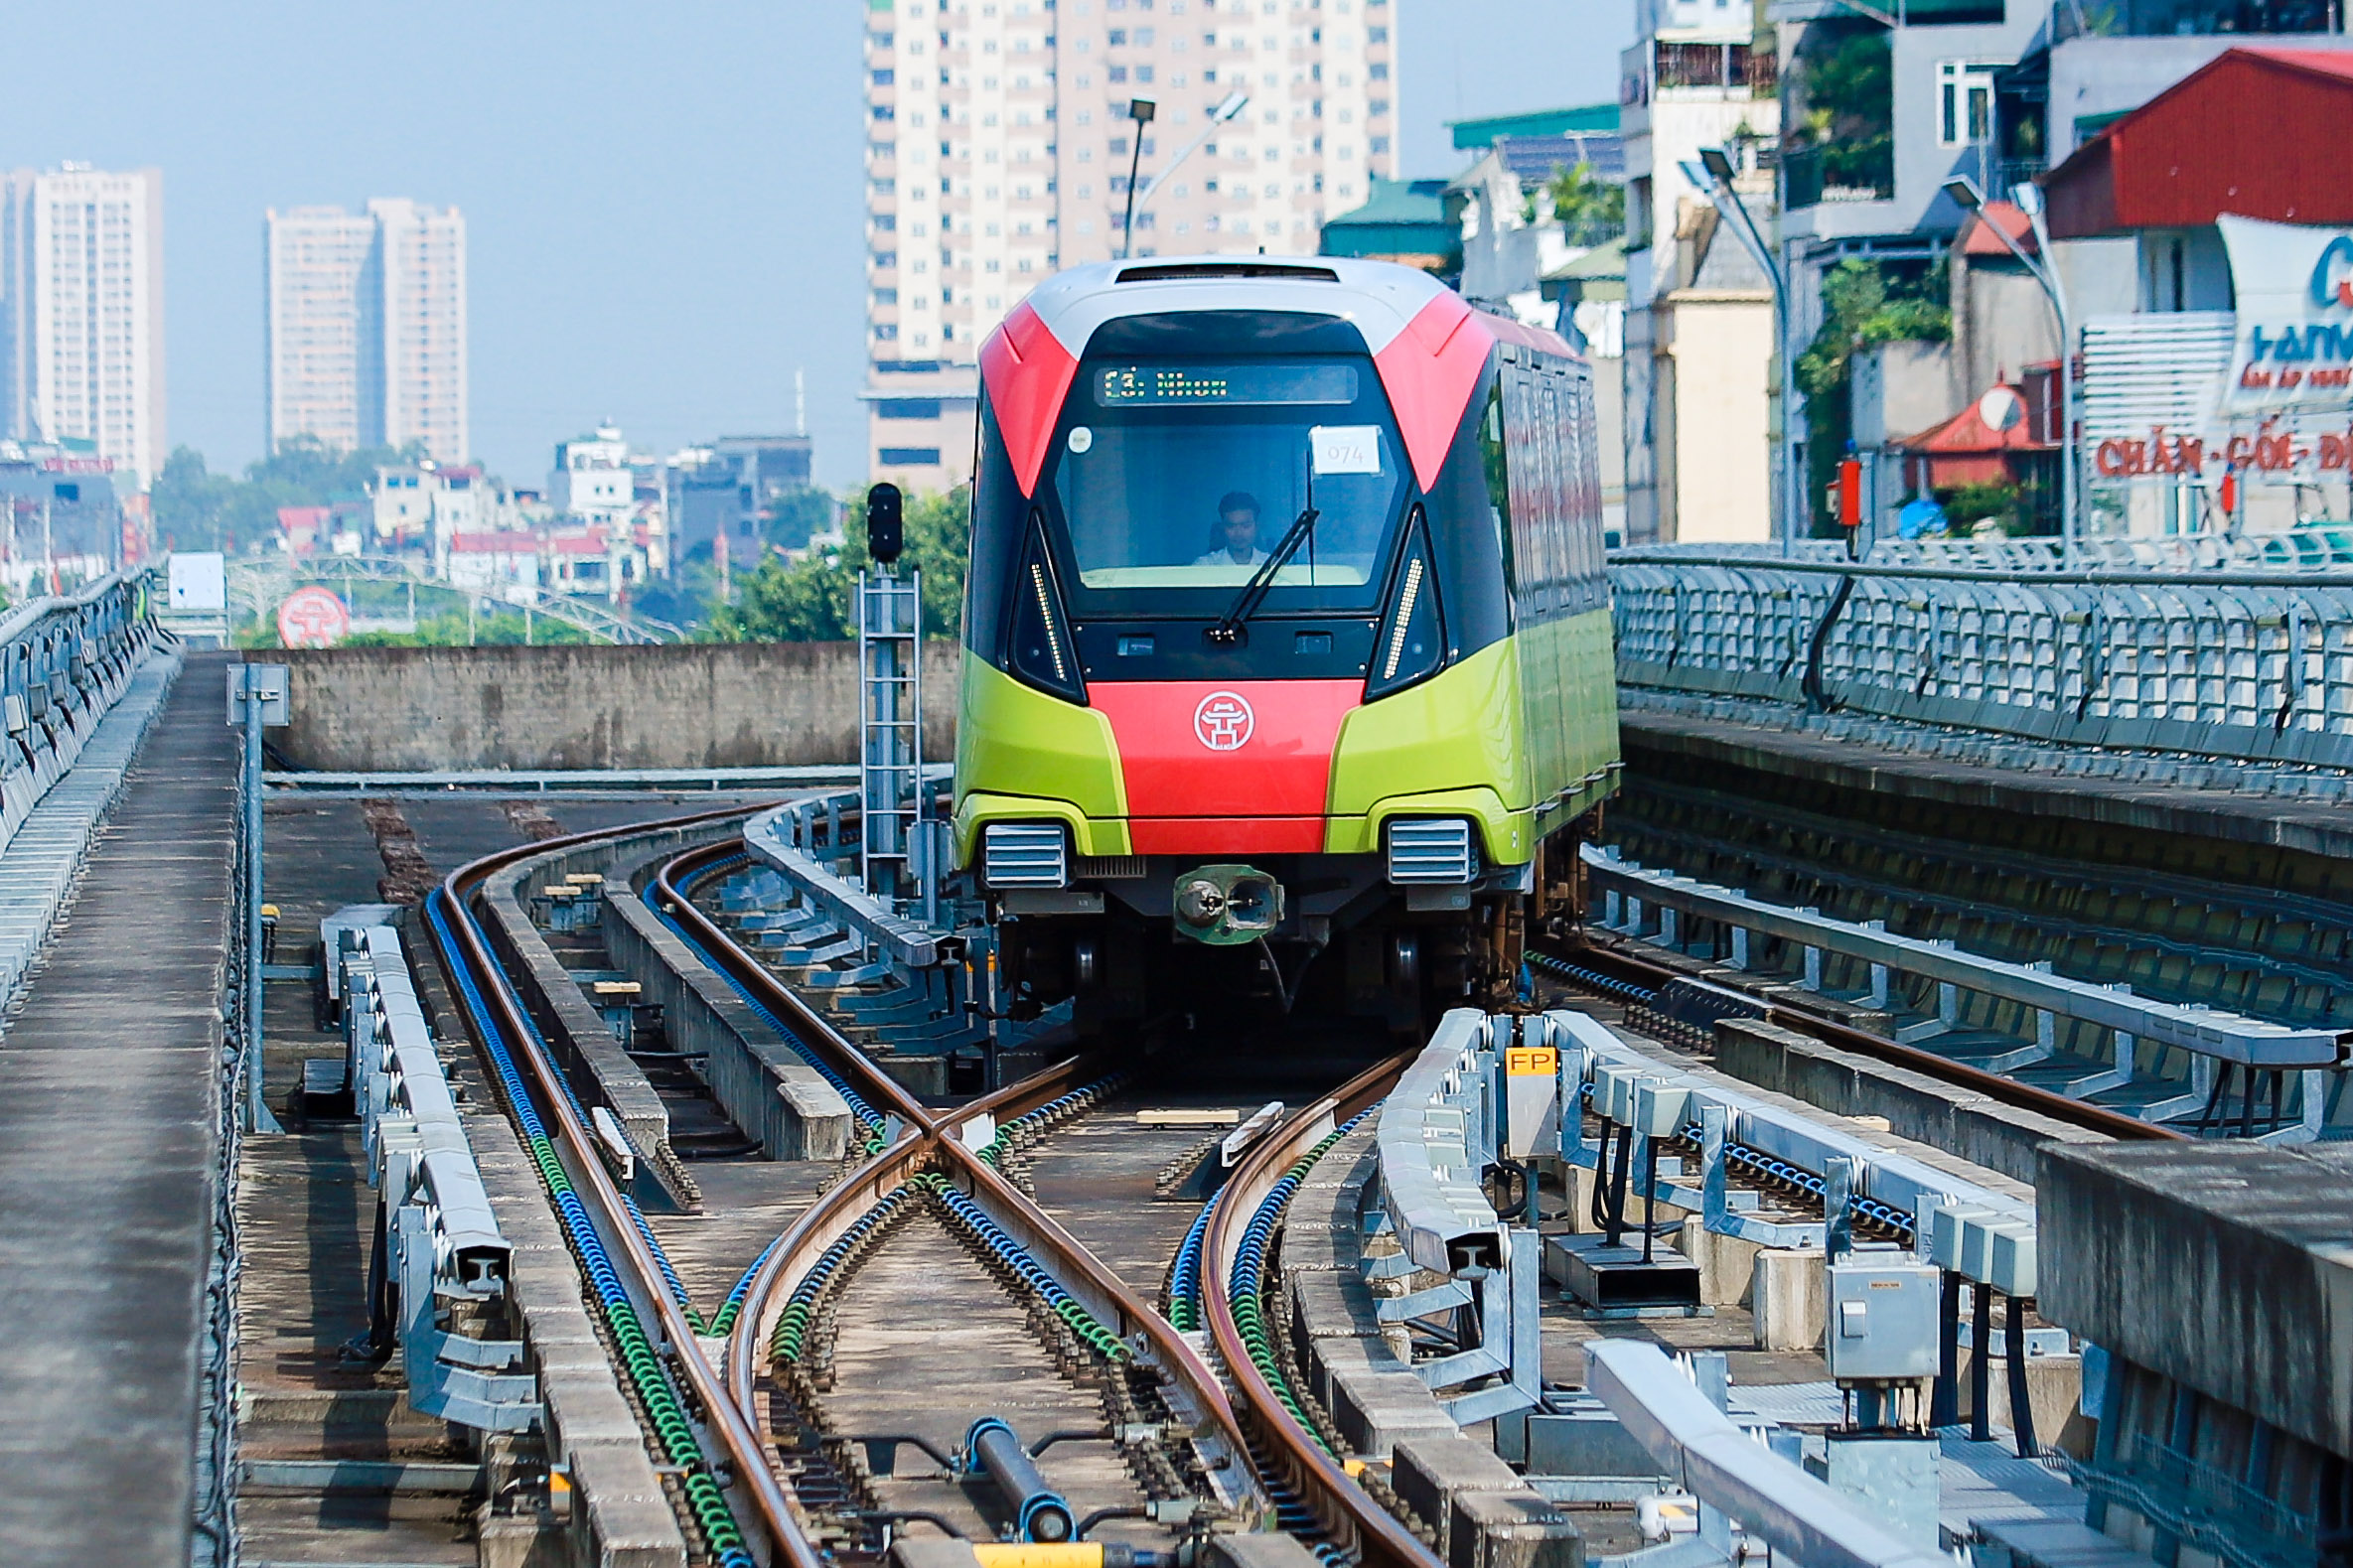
(1437, 851)
(1411, 645)
(1025, 855)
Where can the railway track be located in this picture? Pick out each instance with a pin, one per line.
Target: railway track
(1615, 968)
(957, 1267)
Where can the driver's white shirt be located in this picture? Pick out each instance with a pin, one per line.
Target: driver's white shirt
(1223, 557)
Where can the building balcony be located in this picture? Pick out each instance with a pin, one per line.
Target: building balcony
(1815, 176)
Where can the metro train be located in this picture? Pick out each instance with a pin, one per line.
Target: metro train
(1288, 673)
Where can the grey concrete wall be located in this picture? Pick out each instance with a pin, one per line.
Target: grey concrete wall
(2221, 1265)
(697, 705)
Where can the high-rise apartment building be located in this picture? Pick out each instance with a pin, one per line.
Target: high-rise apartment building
(999, 146)
(366, 326)
(322, 333)
(81, 313)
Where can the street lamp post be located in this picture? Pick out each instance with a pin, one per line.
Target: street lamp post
(1226, 110)
(1711, 176)
(1142, 111)
(1964, 191)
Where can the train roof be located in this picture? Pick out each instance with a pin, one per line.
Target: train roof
(1430, 346)
(1377, 297)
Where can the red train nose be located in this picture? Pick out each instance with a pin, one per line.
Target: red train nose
(1240, 768)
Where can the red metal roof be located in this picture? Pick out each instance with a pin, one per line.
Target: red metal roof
(1979, 239)
(2259, 132)
(1967, 432)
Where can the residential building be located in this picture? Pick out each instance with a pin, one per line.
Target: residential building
(402, 510)
(423, 259)
(1412, 222)
(504, 564)
(727, 487)
(1510, 233)
(1880, 111)
(322, 328)
(2216, 388)
(594, 558)
(592, 479)
(81, 313)
(1695, 76)
(1000, 149)
(1707, 338)
(364, 327)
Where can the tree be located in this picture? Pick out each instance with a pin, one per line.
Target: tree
(1862, 304)
(1591, 211)
(197, 509)
(811, 600)
(189, 502)
(796, 516)
(1848, 92)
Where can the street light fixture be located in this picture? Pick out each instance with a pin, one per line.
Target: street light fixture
(1711, 177)
(1226, 110)
(1142, 111)
(1965, 194)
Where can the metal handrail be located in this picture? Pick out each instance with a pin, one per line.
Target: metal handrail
(1720, 1464)
(2225, 1036)
(2140, 577)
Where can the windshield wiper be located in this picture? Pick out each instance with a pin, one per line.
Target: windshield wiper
(1228, 629)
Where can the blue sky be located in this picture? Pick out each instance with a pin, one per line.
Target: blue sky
(662, 201)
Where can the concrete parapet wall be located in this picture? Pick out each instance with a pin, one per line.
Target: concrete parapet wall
(761, 1081)
(2219, 1265)
(696, 705)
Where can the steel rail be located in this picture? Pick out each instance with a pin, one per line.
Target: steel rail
(755, 1479)
(1615, 959)
(807, 1024)
(938, 1143)
(1354, 1520)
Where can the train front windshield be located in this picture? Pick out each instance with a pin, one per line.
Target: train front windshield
(1186, 476)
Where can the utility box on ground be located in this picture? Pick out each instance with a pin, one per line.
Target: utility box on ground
(1882, 1324)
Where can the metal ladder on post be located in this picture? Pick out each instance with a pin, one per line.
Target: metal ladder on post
(890, 730)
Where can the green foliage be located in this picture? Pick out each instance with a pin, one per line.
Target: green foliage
(197, 509)
(1848, 90)
(1968, 503)
(811, 600)
(450, 629)
(1862, 304)
(1591, 211)
(799, 516)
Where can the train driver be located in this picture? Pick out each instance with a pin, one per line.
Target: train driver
(1235, 540)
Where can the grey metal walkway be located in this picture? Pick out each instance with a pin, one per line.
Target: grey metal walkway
(107, 1155)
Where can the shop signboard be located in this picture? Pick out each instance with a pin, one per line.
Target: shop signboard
(2263, 394)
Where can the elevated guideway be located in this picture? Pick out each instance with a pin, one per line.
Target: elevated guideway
(110, 1101)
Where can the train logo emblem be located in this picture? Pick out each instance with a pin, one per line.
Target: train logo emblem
(1224, 721)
